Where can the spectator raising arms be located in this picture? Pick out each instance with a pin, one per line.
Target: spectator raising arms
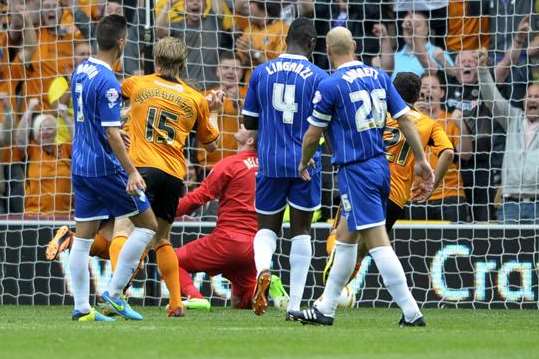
(520, 173)
(48, 182)
(418, 54)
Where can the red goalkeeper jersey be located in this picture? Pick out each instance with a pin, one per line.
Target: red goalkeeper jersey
(232, 181)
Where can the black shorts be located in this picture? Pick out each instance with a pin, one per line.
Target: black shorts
(163, 191)
(393, 213)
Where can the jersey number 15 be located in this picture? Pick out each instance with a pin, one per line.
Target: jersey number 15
(165, 133)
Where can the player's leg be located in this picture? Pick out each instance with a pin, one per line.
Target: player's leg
(201, 255)
(167, 262)
(88, 215)
(304, 198)
(138, 210)
(121, 230)
(270, 205)
(164, 191)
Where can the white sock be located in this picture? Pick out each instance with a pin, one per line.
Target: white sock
(343, 266)
(301, 253)
(264, 246)
(79, 256)
(394, 278)
(129, 258)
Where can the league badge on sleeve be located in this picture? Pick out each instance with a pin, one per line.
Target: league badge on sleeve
(112, 96)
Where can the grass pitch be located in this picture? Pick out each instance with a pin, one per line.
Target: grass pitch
(47, 332)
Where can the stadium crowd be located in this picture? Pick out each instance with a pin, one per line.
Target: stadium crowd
(478, 61)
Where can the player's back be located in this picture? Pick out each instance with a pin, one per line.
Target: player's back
(161, 116)
(401, 157)
(97, 102)
(280, 94)
(237, 198)
(353, 102)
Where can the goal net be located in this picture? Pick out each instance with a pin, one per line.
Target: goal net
(472, 244)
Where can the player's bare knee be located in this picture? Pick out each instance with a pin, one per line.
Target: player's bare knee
(145, 220)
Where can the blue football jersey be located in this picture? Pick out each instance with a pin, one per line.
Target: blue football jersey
(353, 103)
(97, 101)
(280, 95)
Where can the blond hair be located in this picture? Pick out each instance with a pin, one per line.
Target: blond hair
(170, 56)
(340, 41)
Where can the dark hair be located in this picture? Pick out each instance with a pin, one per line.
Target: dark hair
(439, 75)
(226, 55)
(408, 85)
(301, 33)
(109, 30)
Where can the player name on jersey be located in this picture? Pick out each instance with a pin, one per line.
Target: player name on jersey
(359, 73)
(299, 68)
(90, 70)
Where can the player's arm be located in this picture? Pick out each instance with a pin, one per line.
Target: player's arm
(211, 188)
(109, 107)
(135, 183)
(251, 107)
(311, 140)
(399, 111)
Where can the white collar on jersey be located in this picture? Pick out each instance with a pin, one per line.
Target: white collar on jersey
(293, 57)
(99, 62)
(350, 63)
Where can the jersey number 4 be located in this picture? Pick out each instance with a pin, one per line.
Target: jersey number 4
(158, 120)
(284, 100)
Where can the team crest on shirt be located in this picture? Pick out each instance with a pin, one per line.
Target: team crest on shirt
(317, 97)
(112, 96)
(346, 203)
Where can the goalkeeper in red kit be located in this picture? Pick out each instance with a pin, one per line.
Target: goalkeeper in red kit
(228, 250)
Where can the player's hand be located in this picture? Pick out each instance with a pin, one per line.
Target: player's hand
(304, 170)
(424, 178)
(418, 195)
(126, 139)
(135, 184)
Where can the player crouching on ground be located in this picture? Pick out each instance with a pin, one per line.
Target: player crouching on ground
(228, 249)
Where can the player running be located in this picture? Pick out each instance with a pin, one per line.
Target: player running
(228, 249)
(105, 181)
(278, 103)
(352, 106)
(401, 159)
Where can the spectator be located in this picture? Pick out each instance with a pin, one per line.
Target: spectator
(265, 38)
(447, 202)
(6, 137)
(480, 169)
(514, 69)
(53, 57)
(48, 181)
(134, 47)
(359, 17)
(467, 25)
(202, 36)
(433, 10)
(418, 55)
(520, 176)
(229, 73)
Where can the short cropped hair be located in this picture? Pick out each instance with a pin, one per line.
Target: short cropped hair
(109, 30)
(301, 32)
(170, 56)
(408, 84)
